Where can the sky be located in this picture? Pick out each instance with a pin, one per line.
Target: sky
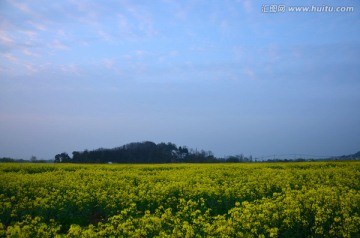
(227, 76)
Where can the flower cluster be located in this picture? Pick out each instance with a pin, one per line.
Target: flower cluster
(318, 199)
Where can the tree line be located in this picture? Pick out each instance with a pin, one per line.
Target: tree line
(139, 152)
(148, 152)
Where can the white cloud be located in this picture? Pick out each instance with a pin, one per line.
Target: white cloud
(168, 55)
(31, 35)
(38, 25)
(21, 7)
(56, 44)
(88, 12)
(273, 53)
(179, 11)
(144, 20)
(123, 22)
(136, 55)
(5, 39)
(250, 73)
(34, 15)
(31, 68)
(141, 53)
(124, 27)
(247, 4)
(224, 25)
(70, 68)
(27, 52)
(10, 57)
(104, 36)
(109, 63)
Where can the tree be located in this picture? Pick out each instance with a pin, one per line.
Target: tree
(233, 159)
(33, 159)
(7, 160)
(62, 158)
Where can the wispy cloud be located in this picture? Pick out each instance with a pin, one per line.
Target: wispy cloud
(124, 27)
(250, 73)
(137, 55)
(21, 7)
(27, 52)
(35, 17)
(10, 57)
(273, 50)
(105, 36)
(31, 68)
(38, 26)
(70, 68)
(5, 38)
(123, 22)
(144, 21)
(87, 12)
(111, 64)
(22, 31)
(108, 63)
(30, 35)
(165, 57)
(133, 21)
(247, 4)
(179, 11)
(58, 45)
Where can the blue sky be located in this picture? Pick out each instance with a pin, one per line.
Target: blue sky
(215, 75)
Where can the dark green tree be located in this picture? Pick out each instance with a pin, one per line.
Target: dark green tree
(62, 158)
